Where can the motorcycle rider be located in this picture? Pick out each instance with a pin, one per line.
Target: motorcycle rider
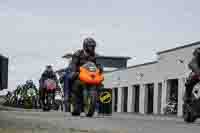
(47, 74)
(194, 65)
(30, 84)
(82, 56)
(79, 58)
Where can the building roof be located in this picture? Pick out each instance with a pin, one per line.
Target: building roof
(160, 52)
(143, 64)
(134, 66)
(177, 48)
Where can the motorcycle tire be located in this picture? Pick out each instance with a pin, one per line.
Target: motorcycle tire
(59, 106)
(189, 118)
(188, 115)
(46, 108)
(89, 105)
(33, 103)
(27, 104)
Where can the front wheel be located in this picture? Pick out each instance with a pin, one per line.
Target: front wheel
(89, 105)
(28, 103)
(47, 102)
(189, 118)
(188, 115)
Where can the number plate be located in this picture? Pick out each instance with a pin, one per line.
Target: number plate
(58, 97)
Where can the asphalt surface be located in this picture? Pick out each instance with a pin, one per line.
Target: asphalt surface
(19, 120)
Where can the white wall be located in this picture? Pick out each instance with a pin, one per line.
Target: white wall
(131, 76)
(167, 67)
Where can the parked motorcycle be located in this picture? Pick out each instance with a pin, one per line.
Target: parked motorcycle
(191, 111)
(91, 78)
(50, 88)
(171, 107)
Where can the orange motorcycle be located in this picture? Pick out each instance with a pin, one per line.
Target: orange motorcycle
(91, 79)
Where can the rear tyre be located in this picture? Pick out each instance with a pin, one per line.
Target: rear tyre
(46, 106)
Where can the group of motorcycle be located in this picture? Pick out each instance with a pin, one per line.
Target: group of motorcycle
(91, 79)
(23, 97)
(29, 97)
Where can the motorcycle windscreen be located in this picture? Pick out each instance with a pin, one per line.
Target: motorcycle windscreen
(50, 85)
(90, 66)
(90, 74)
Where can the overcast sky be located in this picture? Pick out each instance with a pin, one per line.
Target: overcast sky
(34, 33)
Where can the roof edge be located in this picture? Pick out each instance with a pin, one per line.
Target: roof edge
(177, 48)
(134, 66)
(143, 64)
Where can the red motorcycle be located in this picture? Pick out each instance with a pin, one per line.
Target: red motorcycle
(50, 88)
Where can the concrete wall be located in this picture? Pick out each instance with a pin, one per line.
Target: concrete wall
(136, 75)
(170, 65)
(167, 67)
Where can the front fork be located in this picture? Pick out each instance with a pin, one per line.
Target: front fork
(88, 93)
